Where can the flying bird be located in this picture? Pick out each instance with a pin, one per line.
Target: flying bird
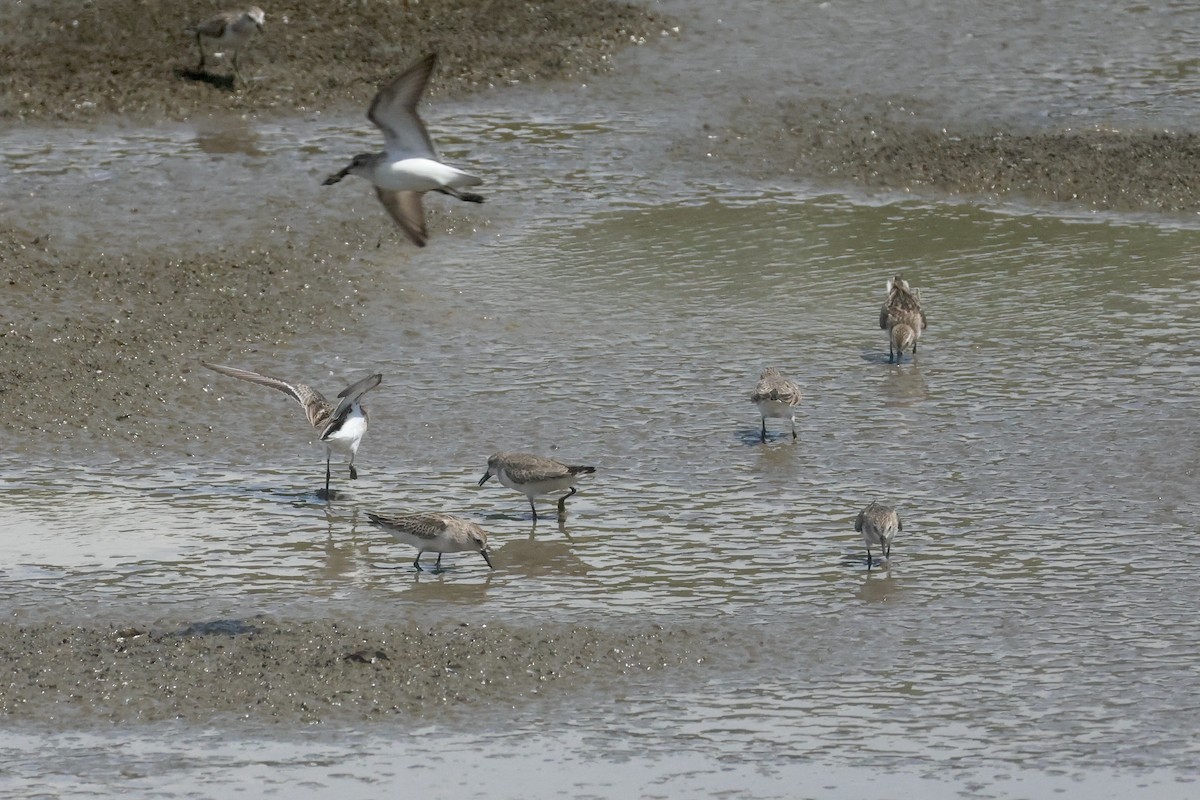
(408, 166)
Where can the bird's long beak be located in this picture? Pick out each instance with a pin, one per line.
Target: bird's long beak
(332, 179)
(485, 477)
(485, 558)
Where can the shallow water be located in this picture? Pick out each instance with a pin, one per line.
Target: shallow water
(1034, 630)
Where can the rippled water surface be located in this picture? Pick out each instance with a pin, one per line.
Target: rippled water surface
(1034, 632)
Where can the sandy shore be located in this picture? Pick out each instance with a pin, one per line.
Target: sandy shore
(304, 672)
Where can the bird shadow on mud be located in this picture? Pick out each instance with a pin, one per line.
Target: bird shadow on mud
(225, 82)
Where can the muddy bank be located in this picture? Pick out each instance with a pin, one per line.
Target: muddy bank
(288, 672)
(98, 344)
(886, 146)
(134, 58)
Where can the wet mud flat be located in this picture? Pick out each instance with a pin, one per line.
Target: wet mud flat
(114, 338)
(269, 670)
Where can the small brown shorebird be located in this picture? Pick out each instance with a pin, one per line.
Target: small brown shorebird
(533, 475)
(878, 525)
(232, 30)
(902, 317)
(341, 426)
(776, 397)
(436, 533)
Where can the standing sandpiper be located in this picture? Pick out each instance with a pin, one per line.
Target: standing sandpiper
(902, 317)
(776, 397)
(534, 475)
(230, 29)
(409, 165)
(433, 532)
(878, 525)
(341, 426)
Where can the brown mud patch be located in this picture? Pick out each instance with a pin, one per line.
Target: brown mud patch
(884, 146)
(306, 672)
(134, 58)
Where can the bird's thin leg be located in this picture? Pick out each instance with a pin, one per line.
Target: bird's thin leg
(353, 471)
(794, 437)
(200, 46)
(763, 435)
(327, 476)
(437, 567)
(417, 563)
(562, 501)
(533, 508)
(868, 558)
(237, 71)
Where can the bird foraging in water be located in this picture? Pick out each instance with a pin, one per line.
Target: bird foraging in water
(341, 426)
(408, 166)
(534, 475)
(878, 525)
(231, 29)
(902, 317)
(433, 532)
(776, 397)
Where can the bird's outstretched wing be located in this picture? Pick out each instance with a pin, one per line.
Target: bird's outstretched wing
(409, 213)
(316, 408)
(394, 111)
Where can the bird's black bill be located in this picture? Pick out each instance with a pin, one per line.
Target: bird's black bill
(485, 558)
(484, 479)
(332, 179)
